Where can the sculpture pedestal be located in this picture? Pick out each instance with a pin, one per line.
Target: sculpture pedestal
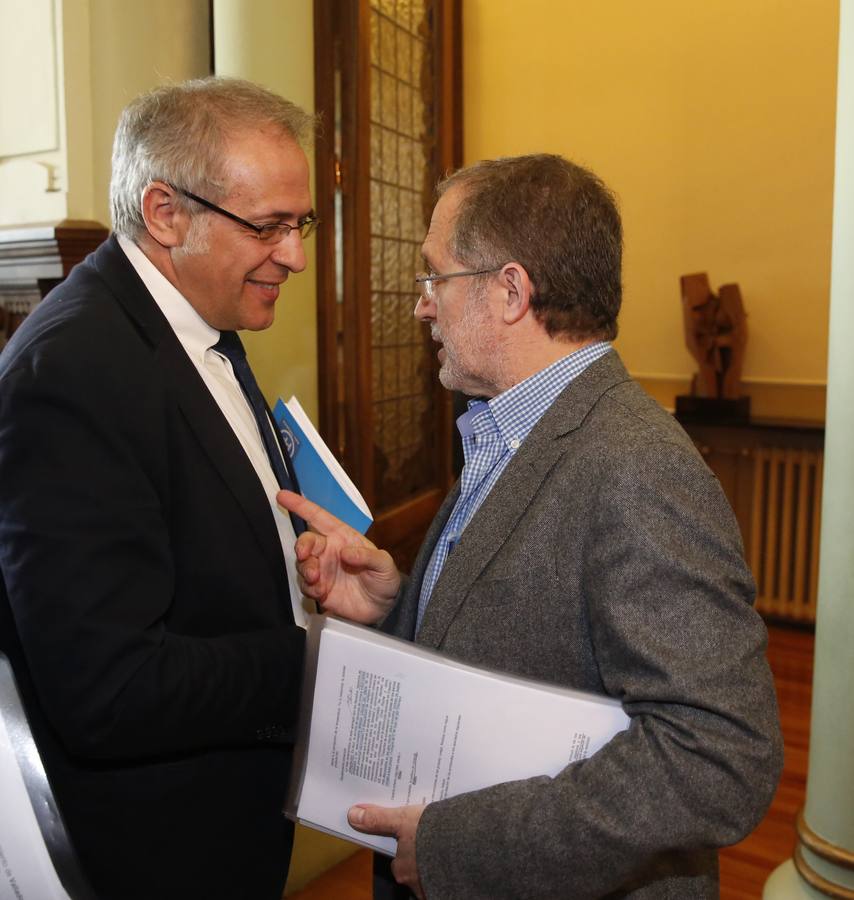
(712, 409)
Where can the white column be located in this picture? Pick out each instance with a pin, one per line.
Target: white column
(823, 865)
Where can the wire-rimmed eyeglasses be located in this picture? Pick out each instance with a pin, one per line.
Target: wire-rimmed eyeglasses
(268, 234)
(426, 281)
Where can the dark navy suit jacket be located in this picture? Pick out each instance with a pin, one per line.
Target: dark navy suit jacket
(144, 599)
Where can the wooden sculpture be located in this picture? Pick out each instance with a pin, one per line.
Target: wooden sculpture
(716, 336)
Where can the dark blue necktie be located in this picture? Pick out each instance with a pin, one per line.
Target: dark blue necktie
(231, 347)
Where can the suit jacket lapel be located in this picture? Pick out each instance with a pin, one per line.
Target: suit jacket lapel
(201, 412)
(493, 524)
(219, 443)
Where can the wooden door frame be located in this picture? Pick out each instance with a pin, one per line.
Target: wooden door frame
(344, 27)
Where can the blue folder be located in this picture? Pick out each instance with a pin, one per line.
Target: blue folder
(316, 481)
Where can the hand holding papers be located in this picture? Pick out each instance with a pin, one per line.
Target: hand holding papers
(388, 722)
(401, 823)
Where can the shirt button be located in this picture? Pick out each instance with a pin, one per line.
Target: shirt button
(514, 443)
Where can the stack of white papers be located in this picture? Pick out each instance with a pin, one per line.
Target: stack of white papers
(386, 721)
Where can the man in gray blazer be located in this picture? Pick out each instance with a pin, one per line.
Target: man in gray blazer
(586, 544)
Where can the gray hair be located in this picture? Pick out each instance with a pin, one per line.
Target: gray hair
(178, 134)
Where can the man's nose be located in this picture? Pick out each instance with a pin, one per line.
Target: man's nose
(425, 309)
(290, 252)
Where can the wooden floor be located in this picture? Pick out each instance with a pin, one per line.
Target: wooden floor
(744, 867)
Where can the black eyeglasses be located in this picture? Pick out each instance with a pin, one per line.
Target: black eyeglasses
(426, 282)
(269, 234)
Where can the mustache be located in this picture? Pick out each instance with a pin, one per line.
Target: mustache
(435, 333)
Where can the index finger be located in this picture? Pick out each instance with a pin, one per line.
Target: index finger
(316, 516)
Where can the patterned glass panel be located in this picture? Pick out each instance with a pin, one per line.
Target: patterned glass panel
(401, 146)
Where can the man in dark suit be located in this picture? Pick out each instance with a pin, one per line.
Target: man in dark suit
(146, 601)
(586, 544)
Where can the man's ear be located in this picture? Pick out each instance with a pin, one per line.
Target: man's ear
(518, 292)
(165, 220)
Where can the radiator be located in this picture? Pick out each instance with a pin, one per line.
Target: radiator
(785, 522)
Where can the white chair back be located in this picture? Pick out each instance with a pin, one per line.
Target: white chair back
(37, 861)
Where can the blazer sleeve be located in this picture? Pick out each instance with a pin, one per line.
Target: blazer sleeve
(92, 548)
(668, 597)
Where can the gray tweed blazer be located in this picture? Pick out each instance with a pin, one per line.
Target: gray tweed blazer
(606, 558)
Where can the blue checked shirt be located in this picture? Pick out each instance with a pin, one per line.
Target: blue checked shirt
(492, 432)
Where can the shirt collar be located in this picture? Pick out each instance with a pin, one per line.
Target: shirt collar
(195, 334)
(517, 410)
(466, 424)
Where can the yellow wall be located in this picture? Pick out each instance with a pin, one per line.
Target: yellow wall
(714, 124)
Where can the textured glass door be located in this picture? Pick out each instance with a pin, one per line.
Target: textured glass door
(388, 98)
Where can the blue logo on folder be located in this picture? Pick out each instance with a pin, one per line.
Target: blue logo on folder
(291, 440)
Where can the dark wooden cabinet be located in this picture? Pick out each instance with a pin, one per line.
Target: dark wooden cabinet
(34, 259)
